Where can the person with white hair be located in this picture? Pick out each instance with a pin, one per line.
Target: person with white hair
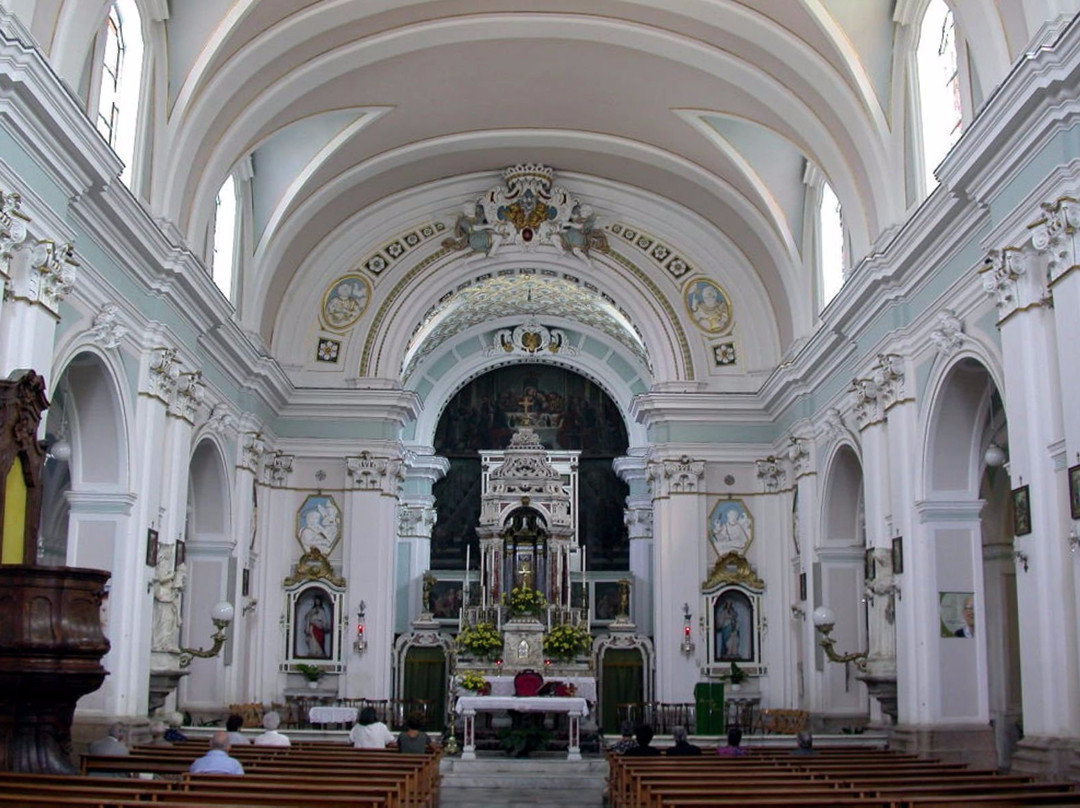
(112, 743)
(271, 721)
(157, 734)
(682, 746)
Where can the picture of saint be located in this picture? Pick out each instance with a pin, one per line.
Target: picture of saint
(346, 301)
(314, 635)
(730, 528)
(708, 306)
(318, 525)
(445, 599)
(733, 627)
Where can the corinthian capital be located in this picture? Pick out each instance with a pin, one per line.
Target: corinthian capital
(682, 476)
(1001, 272)
(12, 227)
(370, 473)
(163, 373)
(771, 473)
(52, 273)
(1055, 234)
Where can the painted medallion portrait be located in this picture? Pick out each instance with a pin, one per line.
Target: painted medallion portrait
(318, 524)
(708, 306)
(730, 527)
(345, 301)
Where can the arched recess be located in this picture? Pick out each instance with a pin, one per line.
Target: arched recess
(208, 553)
(839, 575)
(968, 521)
(87, 415)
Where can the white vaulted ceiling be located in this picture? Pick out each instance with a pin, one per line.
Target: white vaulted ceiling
(708, 109)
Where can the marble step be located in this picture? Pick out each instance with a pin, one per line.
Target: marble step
(501, 782)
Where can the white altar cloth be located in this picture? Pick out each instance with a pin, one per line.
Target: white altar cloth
(574, 706)
(332, 715)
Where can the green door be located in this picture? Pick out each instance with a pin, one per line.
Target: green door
(425, 681)
(622, 681)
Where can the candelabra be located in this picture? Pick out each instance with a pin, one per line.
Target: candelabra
(687, 646)
(824, 620)
(360, 643)
(221, 615)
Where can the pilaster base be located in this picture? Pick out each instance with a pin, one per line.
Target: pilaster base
(1049, 758)
(971, 744)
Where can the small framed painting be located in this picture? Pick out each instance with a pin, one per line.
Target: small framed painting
(151, 547)
(802, 586)
(1021, 500)
(898, 555)
(1074, 491)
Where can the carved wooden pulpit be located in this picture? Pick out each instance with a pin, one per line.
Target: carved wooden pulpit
(51, 641)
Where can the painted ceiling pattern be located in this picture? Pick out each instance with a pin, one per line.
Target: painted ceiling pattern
(525, 293)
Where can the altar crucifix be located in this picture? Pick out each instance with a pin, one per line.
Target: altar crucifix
(525, 574)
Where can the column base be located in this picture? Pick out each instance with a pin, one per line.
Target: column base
(1049, 758)
(970, 744)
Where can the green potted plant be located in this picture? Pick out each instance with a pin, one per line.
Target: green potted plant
(475, 683)
(736, 677)
(482, 640)
(313, 673)
(524, 601)
(564, 642)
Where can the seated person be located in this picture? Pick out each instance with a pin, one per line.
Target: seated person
(414, 741)
(112, 743)
(232, 726)
(626, 729)
(217, 760)
(805, 744)
(271, 721)
(157, 734)
(682, 746)
(173, 733)
(644, 735)
(733, 749)
(370, 732)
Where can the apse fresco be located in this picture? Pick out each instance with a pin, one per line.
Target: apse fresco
(568, 412)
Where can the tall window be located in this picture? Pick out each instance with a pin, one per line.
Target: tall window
(939, 87)
(121, 81)
(223, 259)
(831, 256)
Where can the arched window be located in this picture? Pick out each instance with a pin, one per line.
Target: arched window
(224, 257)
(831, 244)
(121, 81)
(939, 87)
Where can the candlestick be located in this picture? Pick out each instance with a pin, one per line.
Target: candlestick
(468, 558)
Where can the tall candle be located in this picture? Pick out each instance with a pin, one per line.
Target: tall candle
(468, 558)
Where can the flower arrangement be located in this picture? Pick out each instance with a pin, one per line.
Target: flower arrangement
(737, 675)
(566, 642)
(471, 680)
(482, 640)
(312, 673)
(524, 601)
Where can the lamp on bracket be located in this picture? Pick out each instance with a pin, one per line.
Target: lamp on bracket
(221, 616)
(360, 642)
(687, 645)
(824, 620)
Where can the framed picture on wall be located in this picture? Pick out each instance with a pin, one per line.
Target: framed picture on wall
(445, 599)
(245, 583)
(802, 586)
(1021, 501)
(605, 600)
(1074, 491)
(898, 555)
(151, 547)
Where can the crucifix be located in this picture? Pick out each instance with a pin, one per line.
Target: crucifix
(525, 574)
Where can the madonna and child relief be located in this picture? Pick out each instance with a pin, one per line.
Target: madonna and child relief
(318, 525)
(730, 527)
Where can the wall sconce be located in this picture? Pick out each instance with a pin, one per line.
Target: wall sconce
(249, 606)
(360, 643)
(687, 646)
(797, 612)
(824, 620)
(221, 615)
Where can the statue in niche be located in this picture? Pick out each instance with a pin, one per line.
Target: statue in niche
(523, 649)
(169, 582)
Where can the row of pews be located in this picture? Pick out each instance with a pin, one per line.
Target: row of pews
(829, 777)
(330, 775)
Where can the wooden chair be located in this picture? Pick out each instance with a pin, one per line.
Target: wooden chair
(783, 722)
(527, 683)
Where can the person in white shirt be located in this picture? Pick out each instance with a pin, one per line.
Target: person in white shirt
(271, 721)
(369, 732)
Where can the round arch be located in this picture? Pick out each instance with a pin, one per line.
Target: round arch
(842, 497)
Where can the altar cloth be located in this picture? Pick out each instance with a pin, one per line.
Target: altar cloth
(332, 715)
